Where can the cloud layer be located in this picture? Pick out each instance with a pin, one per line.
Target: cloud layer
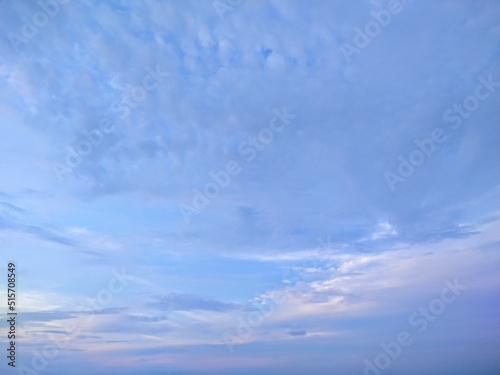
(201, 186)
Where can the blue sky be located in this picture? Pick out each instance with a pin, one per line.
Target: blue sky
(251, 187)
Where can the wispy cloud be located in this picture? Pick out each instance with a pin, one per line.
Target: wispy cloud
(187, 302)
(308, 224)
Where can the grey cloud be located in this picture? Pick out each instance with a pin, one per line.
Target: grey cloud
(50, 236)
(47, 316)
(188, 302)
(11, 207)
(146, 319)
(438, 233)
(297, 333)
